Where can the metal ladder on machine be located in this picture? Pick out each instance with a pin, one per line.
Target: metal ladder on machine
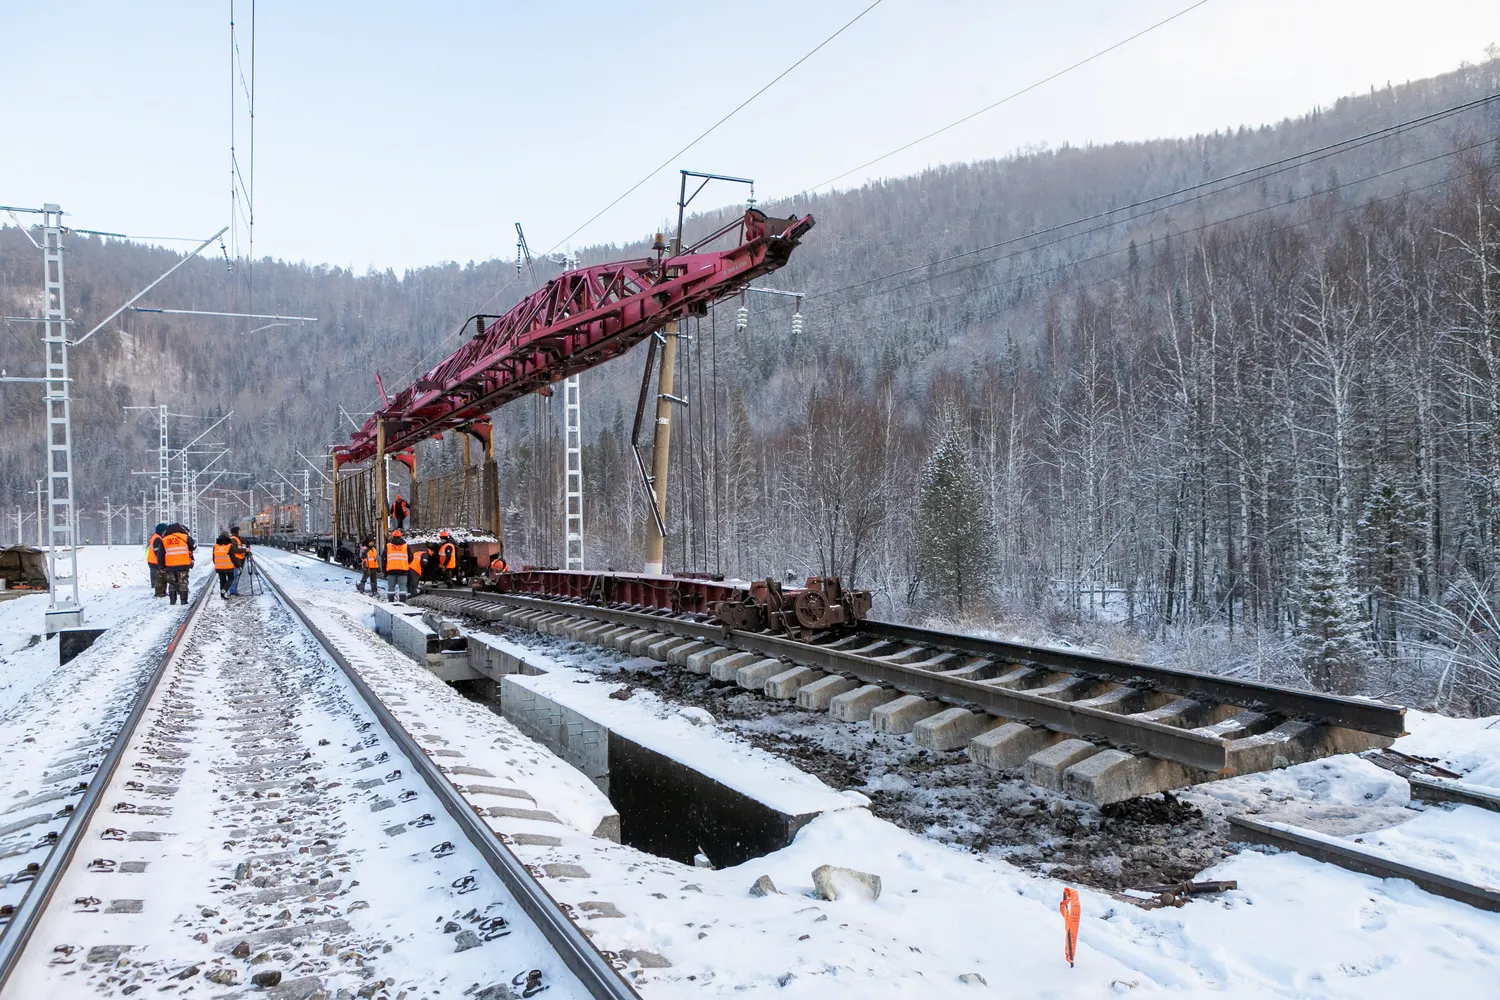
(573, 473)
(64, 608)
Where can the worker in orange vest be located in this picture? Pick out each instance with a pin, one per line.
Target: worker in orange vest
(498, 565)
(224, 563)
(369, 558)
(238, 553)
(153, 562)
(397, 565)
(174, 552)
(420, 565)
(447, 557)
(400, 511)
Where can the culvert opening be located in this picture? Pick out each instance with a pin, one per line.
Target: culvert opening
(669, 809)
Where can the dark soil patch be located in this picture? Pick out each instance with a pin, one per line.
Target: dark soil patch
(1148, 841)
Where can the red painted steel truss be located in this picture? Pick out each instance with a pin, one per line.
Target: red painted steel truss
(577, 320)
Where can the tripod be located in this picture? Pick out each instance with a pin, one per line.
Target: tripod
(252, 578)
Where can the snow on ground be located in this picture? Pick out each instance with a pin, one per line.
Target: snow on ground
(264, 792)
(113, 585)
(56, 723)
(1294, 928)
(679, 733)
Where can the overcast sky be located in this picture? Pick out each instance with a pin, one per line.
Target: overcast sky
(401, 134)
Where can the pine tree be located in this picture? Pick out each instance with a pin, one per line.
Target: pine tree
(1331, 623)
(956, 564)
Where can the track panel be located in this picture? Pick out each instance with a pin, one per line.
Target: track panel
(262, 822)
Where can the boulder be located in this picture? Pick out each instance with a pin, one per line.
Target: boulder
(763, 887)
(832, 882)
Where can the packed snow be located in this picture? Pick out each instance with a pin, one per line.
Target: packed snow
(1293, 928)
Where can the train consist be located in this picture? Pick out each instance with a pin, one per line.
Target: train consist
(823, 603)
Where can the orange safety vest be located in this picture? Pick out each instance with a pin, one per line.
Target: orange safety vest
(395, 557)
(448, 555)
(416, 564)
(151, 550)
(178, 553)
(221, 556)
(372, 558)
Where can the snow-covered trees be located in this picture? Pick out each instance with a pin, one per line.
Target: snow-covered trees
(955, 531)
(1331, 621)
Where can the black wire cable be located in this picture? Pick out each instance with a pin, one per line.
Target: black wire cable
(1241, 178)
(933, 300)
(1024, 90)
(706, 132)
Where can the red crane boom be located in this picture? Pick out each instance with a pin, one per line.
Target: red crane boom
(577, 320)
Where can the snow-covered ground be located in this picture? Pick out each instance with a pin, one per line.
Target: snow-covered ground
(57, 722)
(1294, 928)
(113, 585)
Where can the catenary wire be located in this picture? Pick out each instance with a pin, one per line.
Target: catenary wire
(1010, 97)
(1037, 272)
(706, 132)
(1242, 177)
(701, 136)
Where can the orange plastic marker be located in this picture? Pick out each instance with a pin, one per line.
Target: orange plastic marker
(1071, 910)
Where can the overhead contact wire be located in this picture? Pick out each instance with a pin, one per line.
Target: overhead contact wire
(1004, 100)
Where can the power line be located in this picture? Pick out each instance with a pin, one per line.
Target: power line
(705, 133)
(1242, 177)
(1204, 227)
(1024, 90)
(656, 170)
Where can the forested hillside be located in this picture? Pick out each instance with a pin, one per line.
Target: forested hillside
(1256, 423)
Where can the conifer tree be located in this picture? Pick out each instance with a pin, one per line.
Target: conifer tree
(1331, 624)
(956, 564)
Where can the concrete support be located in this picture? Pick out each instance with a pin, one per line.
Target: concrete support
(661, 650)
(1008, 747)
(1294, 742)
(1046, 767)
(661, 449)
(754, 676)
(678, 656)
(645, 641)
(951, 729)
(701, 661)
(785, 685)
(815, 697)
(897, 717)
(725, 669)
(856, 705)
(1114, 775)
(622, 643)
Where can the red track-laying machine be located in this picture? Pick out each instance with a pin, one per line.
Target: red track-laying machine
(580, 319)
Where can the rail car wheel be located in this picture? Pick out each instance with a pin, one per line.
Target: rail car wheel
(812, 609)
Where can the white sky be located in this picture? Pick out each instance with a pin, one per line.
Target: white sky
(398, 135)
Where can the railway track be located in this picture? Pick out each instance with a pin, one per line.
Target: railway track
(262, 820)
(1101, 730)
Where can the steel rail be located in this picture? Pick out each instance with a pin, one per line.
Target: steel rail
(1365, 862)
(1206, 753)
(598, 976)
(1351, 713)
(28, 914)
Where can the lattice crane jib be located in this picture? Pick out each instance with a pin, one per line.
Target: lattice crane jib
(578, 320)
